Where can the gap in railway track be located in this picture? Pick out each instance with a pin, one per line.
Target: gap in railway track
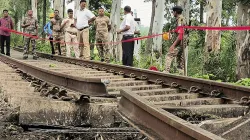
(34, 109)
(215, 107)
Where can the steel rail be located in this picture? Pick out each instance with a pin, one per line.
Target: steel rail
(204, 86)
(86, 86)
(158, 123)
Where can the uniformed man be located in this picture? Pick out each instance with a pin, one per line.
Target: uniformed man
(30, 25)
(177, 48)
(70, 34)
(57, 32)
(102, 28)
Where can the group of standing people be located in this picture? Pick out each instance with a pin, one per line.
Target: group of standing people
(74, 30)
(76, 33)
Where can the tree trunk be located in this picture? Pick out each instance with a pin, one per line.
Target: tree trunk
(34, 8)
(44, 15)
(30, 5)
(87, 3)
(63, 8)
(243, 41)
(58, 5)
(185, 4)
(213, 38)
(19, 25)
(228, 19)
(77, 5)
(15, 17)
(22, 29)
(202, 3)
(149, 41)
(157, 28)
(115, 24)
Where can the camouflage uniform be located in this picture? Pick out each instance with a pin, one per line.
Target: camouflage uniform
(179, 48)
(102, 37)
(32, 30)
(57, 34)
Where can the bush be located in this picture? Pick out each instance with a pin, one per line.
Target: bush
(243, 82)
(43, 47)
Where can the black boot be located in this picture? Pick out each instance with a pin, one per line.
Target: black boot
(25, 56)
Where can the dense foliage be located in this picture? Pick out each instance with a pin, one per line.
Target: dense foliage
(221, 66)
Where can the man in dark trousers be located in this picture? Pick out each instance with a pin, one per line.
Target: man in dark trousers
(48, 30)
(5, 22)
(127, 28)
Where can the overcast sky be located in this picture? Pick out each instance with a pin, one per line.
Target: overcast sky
(143, 9)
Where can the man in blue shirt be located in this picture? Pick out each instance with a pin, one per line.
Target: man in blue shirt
(47, 29)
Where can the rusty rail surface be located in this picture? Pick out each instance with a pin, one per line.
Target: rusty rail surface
(154, 121)
(86, 86)
(202, 86)
(158, 123)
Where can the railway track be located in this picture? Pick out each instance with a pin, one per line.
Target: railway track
(44, 117)
(162, 106)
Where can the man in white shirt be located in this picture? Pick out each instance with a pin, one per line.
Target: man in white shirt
(127, 29)
(82, 19)
(70, 34)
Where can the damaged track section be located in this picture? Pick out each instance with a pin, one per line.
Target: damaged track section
(157, 123)
(88, 86)
(25, 114)
(175, 115)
